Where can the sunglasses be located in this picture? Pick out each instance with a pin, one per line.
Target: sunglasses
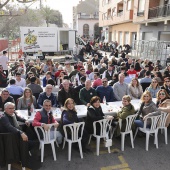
(154, 82)
(146, 96)
(162, 94)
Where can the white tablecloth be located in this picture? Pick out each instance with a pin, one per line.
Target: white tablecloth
(110, 109)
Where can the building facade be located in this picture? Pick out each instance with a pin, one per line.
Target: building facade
(116, 18)
(154, 19)
(86, 19)
(128, 20)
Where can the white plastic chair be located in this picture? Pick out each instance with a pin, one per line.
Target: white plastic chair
(9, 167)
(49, 137)
(153, 129)
(105, 126)
(161, 124)
(76, 130)
(128, 130)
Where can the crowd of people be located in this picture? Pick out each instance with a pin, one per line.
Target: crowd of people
(90, 81)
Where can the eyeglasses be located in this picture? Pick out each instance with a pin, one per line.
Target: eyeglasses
(167, 81)
(11, 108)
(104, 81)
(154, 82)
(162, 94)
(145, 96)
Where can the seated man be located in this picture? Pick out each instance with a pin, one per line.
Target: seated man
(45, 117)
(105, 91)
(20, 81)
(9, 121)
(36, 88)
(4, 98)
(65, 93)
(47, 95)
(86, 93)
(14, 89)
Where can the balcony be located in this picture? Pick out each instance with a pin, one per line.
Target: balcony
(159, 12)
(86, 16)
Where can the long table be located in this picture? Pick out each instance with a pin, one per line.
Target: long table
(110, 108)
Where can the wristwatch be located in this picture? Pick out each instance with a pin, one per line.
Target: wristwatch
(42, 124)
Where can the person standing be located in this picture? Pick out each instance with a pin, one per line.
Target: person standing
(4, 62)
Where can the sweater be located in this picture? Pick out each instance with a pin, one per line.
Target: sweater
(24, 105)
(120, 90)
(86, 95)
(107, 92)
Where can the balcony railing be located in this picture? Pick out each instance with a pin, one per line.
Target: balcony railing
(160, 11)
(88, 16)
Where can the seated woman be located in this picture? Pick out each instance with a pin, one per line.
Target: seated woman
(69, 116)
(147, 106)
(27, 100)
(94, 113)
(135, 89)
(163, 104)
(166, 85)
(126, 110)
(154, 87)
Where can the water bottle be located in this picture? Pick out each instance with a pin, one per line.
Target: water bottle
(29, 110)
(104, 100)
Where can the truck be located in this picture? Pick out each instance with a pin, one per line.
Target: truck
(44, 41)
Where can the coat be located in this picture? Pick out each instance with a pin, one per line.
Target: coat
(125, 111)
(93, 115)
(165, 107)
(135, 93)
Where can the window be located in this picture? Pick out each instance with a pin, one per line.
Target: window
(86, 29)
(129, 4)
(114, 11)
(141, 5)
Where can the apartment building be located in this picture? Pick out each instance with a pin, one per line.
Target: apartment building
(129, 20)
(116, 18)
(154, 19)
(86, 19)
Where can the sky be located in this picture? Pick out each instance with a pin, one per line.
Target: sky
(64, 6)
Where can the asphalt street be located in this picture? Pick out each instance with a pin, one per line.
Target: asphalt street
(130, 159)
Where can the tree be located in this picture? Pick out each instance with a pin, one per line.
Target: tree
(52, 16)
(9, 25)
(5, 2)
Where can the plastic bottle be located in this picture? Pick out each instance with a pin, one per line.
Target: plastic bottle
(104, 100)
(29, 110)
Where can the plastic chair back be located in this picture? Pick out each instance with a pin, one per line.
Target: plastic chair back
(105, 126)
(76, 130)
(162, 120)
(129, 120)
(47, 136)
(154, 122)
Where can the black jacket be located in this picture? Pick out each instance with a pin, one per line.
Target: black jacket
(93, 115)
(13, 149)
(9, 99)
(63, 96)
(7, 125)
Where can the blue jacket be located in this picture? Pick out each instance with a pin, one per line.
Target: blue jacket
(107, 92)
(43, 96)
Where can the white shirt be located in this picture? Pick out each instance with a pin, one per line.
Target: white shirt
(4, 62)
(21, 83)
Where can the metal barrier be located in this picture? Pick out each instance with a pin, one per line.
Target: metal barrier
(153, 50)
